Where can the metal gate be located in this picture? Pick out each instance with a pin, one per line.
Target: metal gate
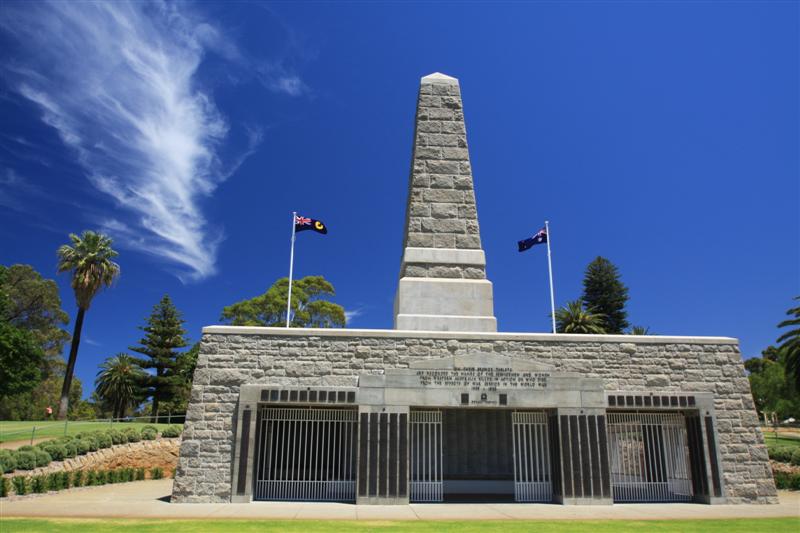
(649, 457)
(426, 456)
(531, 458)
(306, 454)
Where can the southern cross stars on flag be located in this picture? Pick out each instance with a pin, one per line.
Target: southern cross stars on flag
(302, 223)
(530, 242)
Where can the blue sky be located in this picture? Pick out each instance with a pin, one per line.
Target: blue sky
(663, 136)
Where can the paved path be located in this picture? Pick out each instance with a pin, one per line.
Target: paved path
(149, 499)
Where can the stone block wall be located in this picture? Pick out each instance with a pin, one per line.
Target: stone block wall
(230, 357)
(441, 211)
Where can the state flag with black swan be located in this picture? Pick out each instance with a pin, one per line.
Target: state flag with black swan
(539, 238)
(302, 223)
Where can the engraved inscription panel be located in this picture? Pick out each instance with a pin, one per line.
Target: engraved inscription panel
(483, 378)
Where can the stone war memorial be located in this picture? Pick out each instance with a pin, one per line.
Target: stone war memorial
(445, 408)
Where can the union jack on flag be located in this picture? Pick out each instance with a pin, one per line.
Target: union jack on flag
(539, 238)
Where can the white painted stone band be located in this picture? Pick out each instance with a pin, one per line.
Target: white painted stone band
(559, 338)
(444, 256)
(438, 77)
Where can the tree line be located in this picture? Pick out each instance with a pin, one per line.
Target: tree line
(158, 379)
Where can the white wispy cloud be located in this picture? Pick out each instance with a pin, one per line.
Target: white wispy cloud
(118, 82)
(351, 314)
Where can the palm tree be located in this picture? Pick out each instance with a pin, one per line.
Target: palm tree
(573, 318)
(791, 344)
(89, 260)
(118, 382)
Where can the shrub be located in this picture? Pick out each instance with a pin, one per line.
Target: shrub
(39, 484)
(139, 474)
(26, 460)
(156, 472)
(8, 461)
(78, 478)
(53, 481)
(91, 440)
(133, 434)
(91, 478)
(82, 446)
(782, 454)
(5, 487)
(104, 440)
(21, 486)
(786, 480)
(149, 433)
(42, 458)
(171, 431)
(795, 458)
(66, 480)
(102, 477)
(58, 452)
(27, 448)
(72, 449)
(117, 437)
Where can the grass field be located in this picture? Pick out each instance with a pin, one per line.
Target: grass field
(780, 441)
(772, 525)
(20, 431)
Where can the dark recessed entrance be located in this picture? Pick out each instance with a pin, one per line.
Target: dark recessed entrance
(479, 455)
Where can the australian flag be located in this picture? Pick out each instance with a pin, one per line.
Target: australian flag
(530, 242)
(302, 223)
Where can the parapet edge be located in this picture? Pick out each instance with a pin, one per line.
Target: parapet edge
(505, 336)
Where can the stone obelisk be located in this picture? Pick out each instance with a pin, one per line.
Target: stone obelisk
(443, 285)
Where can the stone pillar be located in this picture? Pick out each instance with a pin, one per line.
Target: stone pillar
(443, 285)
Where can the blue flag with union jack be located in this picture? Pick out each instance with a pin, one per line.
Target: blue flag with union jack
(530, 242)
(302, 223)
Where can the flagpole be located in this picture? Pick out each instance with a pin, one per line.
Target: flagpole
(291, 268)
(550, 270)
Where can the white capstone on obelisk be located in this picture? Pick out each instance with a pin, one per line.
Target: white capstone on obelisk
(443, 285)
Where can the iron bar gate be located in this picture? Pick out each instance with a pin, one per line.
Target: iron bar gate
(426, 456)
(531, 458)
(306, 454)
(649, 457)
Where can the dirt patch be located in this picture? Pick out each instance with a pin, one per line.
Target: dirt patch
(784, 467)
(14, 444)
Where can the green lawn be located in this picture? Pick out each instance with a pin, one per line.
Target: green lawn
(780, 441)
(19, 431)
(773, 525)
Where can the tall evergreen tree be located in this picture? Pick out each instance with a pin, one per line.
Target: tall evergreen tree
(164, 335)
(605, 294)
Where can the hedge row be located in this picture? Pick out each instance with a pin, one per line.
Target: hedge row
(785, 454)
(30, 457)
(786, 480)
(64, 480)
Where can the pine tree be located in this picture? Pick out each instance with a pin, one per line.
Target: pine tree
(164, 334)
(605, 294)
